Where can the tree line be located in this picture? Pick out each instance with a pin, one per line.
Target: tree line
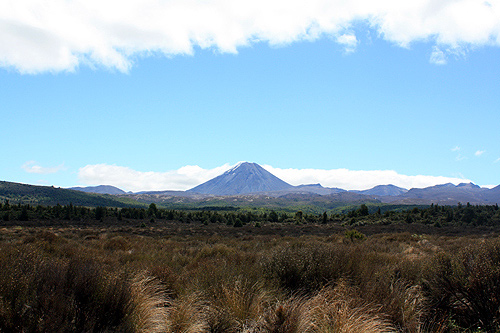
(437, 215)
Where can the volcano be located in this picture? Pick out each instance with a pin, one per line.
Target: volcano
(242, 179)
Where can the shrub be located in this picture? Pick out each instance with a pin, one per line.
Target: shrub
(307, 267)
(465, 287)
(118, 243)
(354, 235)
(48, 294)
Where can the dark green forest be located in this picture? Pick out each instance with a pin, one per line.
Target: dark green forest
(460, 215)
(49, 195)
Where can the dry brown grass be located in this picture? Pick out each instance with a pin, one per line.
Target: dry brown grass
(331, 310)
(238, 304)
(340, 310)
(187, 314)
(292, 315)
(147, 307)
(96, 280)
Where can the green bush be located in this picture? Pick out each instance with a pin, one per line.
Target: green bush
(307, 267)
(354, 235)
(465, 287)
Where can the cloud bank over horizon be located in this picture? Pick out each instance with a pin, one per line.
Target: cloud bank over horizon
(190, 176)
(63, 35)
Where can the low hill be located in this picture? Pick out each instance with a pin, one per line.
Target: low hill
(290, 202)
(100, 189)
(49, 195)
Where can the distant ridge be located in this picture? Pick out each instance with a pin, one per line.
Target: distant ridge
(384, 190)
(449, 194)
(242, 179)
(248, 184)
(101, 189)
(250, 178)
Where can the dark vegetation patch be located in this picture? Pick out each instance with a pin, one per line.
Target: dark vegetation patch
(49, 195)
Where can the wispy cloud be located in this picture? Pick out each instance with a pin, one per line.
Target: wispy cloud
(459, 156)
(479, 152)
(62, 35)
(497, 160)
(438, 57)
(189, 176)
(33, 167)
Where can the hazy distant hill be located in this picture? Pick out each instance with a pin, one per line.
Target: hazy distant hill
(250, 185)
(242, 179)
(101, 189)
(315, 188)
(247, 178)
(449, 194)
(250, 178)
(384, 190)
(494, 194)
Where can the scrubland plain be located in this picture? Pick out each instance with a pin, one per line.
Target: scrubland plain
(272, 278)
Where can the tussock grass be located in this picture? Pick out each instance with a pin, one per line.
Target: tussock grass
(147, 305)
(187, 314)
(239, 303)
(339, 309)
(329, 310)
(292, 315)
(107, 280)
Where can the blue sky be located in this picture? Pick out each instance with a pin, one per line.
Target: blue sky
(350, 104)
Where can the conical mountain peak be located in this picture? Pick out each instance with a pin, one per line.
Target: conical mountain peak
(244, 167)
(243, 178)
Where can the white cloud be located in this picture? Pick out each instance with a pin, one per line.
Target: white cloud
(456, 148)
(190, 176)
(479, 152)
(132, 180)
(358, 179)
(61, 35)
(497, 160)
(32, 167)
(349, 41)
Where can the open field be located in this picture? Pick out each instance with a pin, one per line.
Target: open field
(178, 277)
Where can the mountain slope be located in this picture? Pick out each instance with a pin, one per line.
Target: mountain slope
(242, 179)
